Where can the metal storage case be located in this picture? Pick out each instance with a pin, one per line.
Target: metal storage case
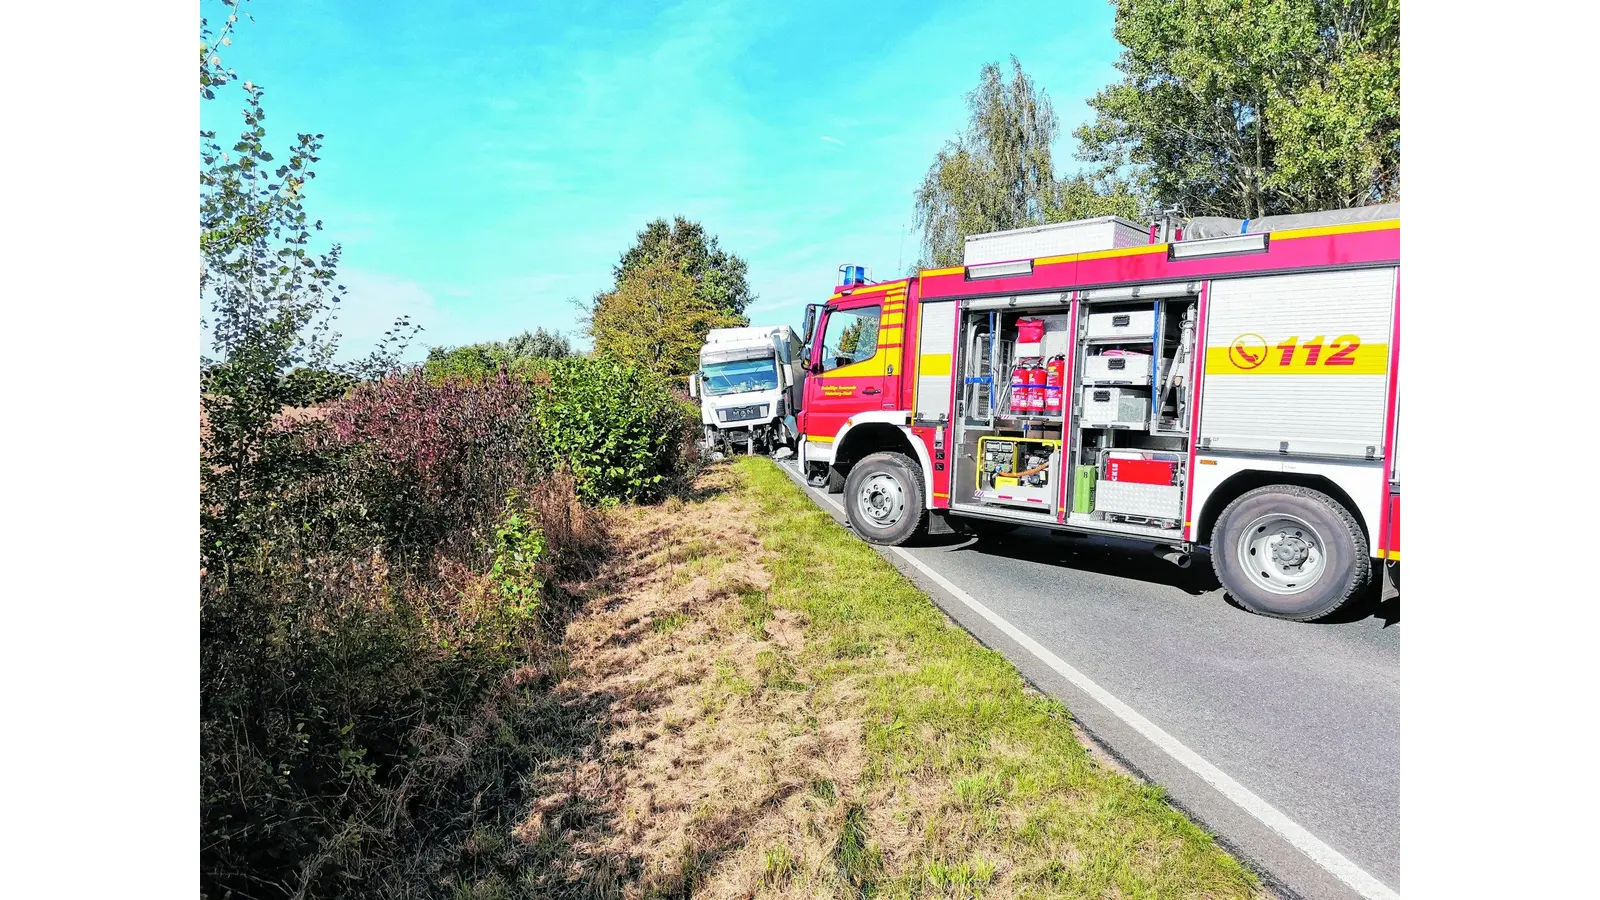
(1133, 325)
(1146, 488)
(1059, 239)
(1150, 501)
(1131, 368)
(1115, 406)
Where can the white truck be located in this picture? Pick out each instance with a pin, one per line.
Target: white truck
(749, 385)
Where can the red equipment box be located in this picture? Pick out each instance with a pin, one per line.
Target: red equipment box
(1030, 331)
(1140, 471)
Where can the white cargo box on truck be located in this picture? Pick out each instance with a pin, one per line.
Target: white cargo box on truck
(1059, 239)
(751, 342)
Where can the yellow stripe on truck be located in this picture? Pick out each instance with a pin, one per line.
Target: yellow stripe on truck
(1252, 354)
(935, 364)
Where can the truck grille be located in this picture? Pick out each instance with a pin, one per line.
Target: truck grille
(742, 413)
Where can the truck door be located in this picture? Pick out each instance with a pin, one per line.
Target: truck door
(857, 363)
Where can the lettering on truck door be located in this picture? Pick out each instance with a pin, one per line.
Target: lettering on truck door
(860, 362)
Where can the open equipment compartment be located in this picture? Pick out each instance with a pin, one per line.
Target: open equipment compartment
(1012, 361)
(1128, 450)
(1105, 408)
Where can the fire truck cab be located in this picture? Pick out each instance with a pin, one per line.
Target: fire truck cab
(1215, 383)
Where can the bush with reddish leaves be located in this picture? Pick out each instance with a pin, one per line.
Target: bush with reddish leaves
(434, 460)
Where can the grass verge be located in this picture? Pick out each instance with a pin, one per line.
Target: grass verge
(776, 711)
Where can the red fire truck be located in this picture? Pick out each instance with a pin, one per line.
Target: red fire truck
(1220, 384)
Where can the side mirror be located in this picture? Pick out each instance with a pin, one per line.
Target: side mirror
(694, 386)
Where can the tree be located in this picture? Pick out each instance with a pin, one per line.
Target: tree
(271, 301)
(540, 344)
(850, 338)
(656, 317)
(720, 277)
(1254, 107)
(520, 355)
(999, 174)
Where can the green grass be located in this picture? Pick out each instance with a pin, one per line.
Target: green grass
(778, 865)
(670, 623)
(1024, 803)
(755, 611)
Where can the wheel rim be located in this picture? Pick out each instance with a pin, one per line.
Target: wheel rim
(1282, 554)
(881, 500)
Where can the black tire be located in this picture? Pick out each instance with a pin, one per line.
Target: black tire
(982, 528)
(1344, 571)
(904, 491)
(836, 480)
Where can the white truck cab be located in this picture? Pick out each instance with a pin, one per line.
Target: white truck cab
(748, 386)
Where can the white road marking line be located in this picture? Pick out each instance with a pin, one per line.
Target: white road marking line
(1323, 855)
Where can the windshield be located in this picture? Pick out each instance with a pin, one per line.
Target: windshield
(740, 375)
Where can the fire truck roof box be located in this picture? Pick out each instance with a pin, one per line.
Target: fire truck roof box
(1219, 226)
(1081, 236)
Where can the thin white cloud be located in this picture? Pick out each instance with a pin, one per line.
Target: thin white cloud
(833, 140)
(372, 303)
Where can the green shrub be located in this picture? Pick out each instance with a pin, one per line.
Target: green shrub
(616, 427)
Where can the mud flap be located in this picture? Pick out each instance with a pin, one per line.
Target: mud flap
(938, 523)
(1391, 580)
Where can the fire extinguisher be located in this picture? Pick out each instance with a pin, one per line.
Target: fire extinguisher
(1036, 381)
(1055, 379)
(1019, 389)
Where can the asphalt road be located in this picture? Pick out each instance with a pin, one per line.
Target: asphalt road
(1281, 738)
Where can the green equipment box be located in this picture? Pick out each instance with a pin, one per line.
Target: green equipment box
(1083, 489)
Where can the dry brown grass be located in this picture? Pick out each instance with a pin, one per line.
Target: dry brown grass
(729, 757)
(713, 753)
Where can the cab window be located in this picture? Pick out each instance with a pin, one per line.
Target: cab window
(851, 336)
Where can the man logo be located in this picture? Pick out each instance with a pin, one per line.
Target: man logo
(1248, 351)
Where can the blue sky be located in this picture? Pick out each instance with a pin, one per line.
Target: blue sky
(484, 166)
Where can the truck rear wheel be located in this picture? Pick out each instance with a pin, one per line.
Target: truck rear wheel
(1290, 552)
(884, 499)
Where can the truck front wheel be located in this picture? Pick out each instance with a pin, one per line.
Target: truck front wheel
(883, 498)
(1290, 552)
